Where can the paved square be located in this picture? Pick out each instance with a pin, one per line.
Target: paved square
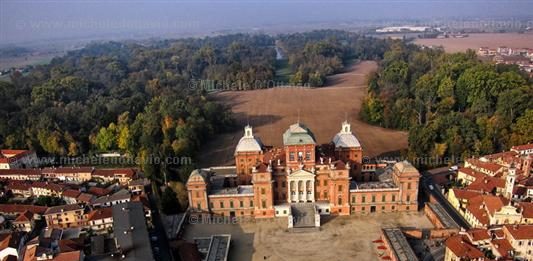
(340, 238)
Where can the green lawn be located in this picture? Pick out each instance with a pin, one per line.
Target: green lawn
(283, 71)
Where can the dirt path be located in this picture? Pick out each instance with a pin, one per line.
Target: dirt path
(271, 111)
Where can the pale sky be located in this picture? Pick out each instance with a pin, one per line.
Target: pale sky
(22, 20)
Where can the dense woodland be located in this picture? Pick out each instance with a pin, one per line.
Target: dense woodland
(452, 104)
(313, 56)
(137, 98)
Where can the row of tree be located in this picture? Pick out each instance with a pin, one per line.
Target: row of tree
(314, 55)
(452, 104)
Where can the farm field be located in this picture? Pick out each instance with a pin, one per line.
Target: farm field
(271, 111)
(474, 41)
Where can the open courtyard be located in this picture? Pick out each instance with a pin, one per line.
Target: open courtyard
(340, 238)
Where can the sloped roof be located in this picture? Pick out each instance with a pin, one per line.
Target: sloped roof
(463, 249)
(71, 193)
(465, 194)
(522, 147)
(405, 166)
(25, 216)
(62, 208)
(100, 213)
(298, 134)
(520, 232)
(486, 184)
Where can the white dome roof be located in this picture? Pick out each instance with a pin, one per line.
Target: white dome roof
(248, 143)
(345, 138)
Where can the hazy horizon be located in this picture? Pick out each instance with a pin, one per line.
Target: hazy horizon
(26, 21)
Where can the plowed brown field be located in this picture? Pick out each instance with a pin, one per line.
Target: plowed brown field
(271, 111)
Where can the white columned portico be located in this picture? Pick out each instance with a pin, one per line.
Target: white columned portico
(305, 191)
(301, 181)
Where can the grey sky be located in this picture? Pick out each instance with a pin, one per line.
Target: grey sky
(22, 20)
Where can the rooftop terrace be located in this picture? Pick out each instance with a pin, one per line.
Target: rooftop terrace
(399, 244)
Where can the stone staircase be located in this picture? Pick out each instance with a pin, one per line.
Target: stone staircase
(304, 217)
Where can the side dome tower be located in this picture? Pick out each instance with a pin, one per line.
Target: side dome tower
(248, 153)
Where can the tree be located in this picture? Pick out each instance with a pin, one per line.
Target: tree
(523, 129)
(106, 138)
(169, 202)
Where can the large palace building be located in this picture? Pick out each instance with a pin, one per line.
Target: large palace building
(302, 177)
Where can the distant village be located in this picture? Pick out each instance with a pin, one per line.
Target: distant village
(493, 195)
(523, 57)
(88, 213)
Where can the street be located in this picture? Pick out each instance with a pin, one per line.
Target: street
(427, 180)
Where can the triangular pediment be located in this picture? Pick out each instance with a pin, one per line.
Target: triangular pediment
(301, 174)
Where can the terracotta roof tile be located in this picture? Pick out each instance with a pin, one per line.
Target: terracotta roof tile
(465, 194)
(527, 209)
(25, 216)
(493, 167)
(479, 234)
(486, 184)
(522, 147)
(100, 213)
(99, 191)
(68, 256)
(462, 248)
(16, 208)
(502, 246)
(520, 231)
(71, 193)
(62, 208)
(85, 198)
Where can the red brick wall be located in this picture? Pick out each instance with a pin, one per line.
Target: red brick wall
(263, 195)
(222, 206)
(300, 148)
(245, 161)
(389, 204)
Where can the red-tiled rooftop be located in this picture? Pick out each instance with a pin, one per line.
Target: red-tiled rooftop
(16, 208)
(85, 197)
(19, 186)
(472, 172)
(486, 184)
(493, 167)
(520, 232)
(7, 156)
(68, 256)
(99, 191)
(502, 246)
(523, 147)
(527, 209)
(25, 216)
(465, 194)
(62, 208)
(478, 234)
(71, 193)
(463, 249)
(100, 213)
(20, 172)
